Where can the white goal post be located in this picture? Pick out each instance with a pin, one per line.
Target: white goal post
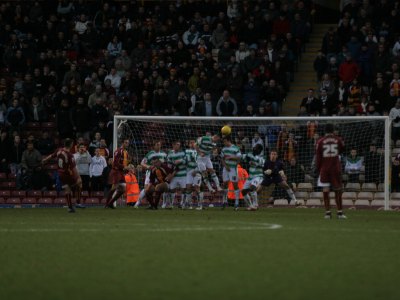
(359, 132)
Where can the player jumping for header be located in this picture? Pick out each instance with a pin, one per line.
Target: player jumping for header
(205, 145)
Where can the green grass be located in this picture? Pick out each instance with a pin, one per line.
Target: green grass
(213, 254)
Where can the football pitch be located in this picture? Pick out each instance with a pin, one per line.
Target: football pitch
(273, 253)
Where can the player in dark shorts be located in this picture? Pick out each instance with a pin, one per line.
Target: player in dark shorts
(327, 157)
(160, 177)
(68, 174)
(117, 174)
(274, 174)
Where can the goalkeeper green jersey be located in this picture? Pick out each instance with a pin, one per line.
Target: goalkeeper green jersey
(178, 160)
(231, 151)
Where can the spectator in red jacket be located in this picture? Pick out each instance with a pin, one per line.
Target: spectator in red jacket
(348, 70)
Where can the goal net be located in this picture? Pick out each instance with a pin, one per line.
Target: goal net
(365, 162)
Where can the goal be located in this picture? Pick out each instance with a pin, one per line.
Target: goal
(366, 160)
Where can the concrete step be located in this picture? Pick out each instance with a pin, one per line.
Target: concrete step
(305, 76)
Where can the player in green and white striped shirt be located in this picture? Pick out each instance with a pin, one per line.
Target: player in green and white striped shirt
(146, 164)
(230, 155)
(256, 162)
(193, 177)
(177, 159)
(205, 145)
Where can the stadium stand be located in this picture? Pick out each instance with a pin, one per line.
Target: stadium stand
(67, 67)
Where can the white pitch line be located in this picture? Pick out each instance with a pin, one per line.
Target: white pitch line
(258, 226)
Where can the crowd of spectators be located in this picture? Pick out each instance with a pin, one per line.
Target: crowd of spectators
(357, 66)
(73, 65)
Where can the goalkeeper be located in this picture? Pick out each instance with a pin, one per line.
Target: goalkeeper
(273, 173)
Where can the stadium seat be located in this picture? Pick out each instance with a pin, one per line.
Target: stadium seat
(45, 200)
(349, 198)
(397, 144)
(98, 194)
(12, 176)
(19, 194)
(395, 151)
(395, 199)
(315, 198)
(305, 187)
(85, 194)
(35, 194)
(352, 187)
(32, 126)
(281, 202)
(28, 200)
(364, 198)
(362, 202)
(3, 176)
(13, 200)
(2, 200)
(50, 194)
(379, 198)
(361, 177)
(92, 200)
(9, 185)
(48, 126)
(5, 193)
(302, 196)
(308, 178)
(345, 177)
(395, 196)
(381, 187)
(368, 187)
(60, 201)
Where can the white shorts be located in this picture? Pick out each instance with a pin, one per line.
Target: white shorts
(231, 175)
(190, 177)
(322, 184)
(147, 178)
(177, 182)
(204, 163)
(256, 181)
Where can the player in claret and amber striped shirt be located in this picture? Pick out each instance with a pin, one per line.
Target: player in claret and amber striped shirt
(117, 174)
(328, 150)
(67, 173)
